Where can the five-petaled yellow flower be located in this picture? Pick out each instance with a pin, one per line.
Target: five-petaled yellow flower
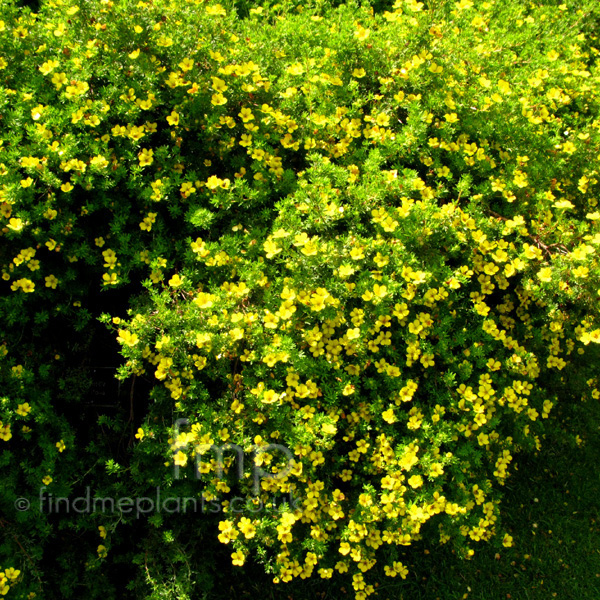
(173, 118)
(146, 157)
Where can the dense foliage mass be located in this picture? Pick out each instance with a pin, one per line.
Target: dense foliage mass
(359, 245)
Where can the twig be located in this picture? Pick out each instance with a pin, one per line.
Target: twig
(14, 535)
(536, 239)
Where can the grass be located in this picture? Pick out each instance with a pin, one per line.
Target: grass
(551, 509)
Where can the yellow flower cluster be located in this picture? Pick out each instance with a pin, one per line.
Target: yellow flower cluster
(8, 578)
(380, 282)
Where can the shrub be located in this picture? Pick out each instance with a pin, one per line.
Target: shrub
(362, 245)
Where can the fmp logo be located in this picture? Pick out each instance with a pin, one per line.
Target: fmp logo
(258, 473)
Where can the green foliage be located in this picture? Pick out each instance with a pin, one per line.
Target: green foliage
(367, 234)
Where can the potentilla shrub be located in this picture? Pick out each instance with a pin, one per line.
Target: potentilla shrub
(360, 247)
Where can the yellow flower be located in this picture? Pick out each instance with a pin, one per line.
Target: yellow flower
(187, 189)
(227, 532)
(361, 33)
(353, 334)
(12, 573)
(146, 157)
(102, 531)
(345, 271)
(504, 86)
(383, 120)
(389, 416)
(545, 274)
(36, 112)
(436, 470)
(60, 30)
(213, 182)
(187, 64)
(271, 321)
(47, 480)
(218, 99)
(173, 118)
(23, 409)
(258, 389)
(295, 69)
(563, 204)
(271, 248)
(176, 280)
(238, 558)
(5, 433)
(109, 279)
(344, 548)
(300, 239)
(236, 334)
(310, 249)
(415, 481)
(581, 272)
(26, 285)
(140, 434)
(246, 115)
(357, 254)
(60, 445)
(218, 85)
(59, 79)
(99, 161)
(146, 224)
(379, 291)
(48, 67)
(520, 178)
(329, 429)
(145, 104)
(51, 281)
(358, 73)
(110, 258)
(204, 300)
(247, 528)
(180, 459)
(270, 397)
(216, 11)
(15, 224)
(127, 338)
(507, 542)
